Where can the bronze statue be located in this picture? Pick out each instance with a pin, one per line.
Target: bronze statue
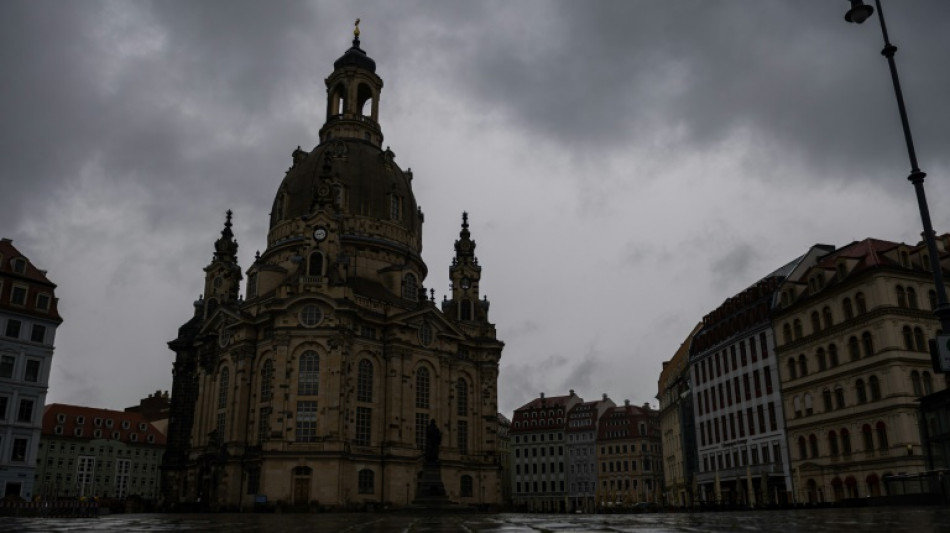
(433, 440)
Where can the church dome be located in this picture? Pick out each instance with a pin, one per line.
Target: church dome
(351, 175)
(355, 57)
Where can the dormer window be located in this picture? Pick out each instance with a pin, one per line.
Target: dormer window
(18, 295)
(19, 265)
(395, 207)
(42, 301)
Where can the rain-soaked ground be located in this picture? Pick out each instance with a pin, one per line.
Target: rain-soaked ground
(874, 519)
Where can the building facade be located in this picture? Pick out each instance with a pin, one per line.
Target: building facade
(317, 386)
(538, 441)
(629, 457)
(854, 361)
(98, 453)
(581, 432)
(676, 426)
(740, 423)
(28, 322)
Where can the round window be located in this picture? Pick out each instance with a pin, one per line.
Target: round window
(310, 315)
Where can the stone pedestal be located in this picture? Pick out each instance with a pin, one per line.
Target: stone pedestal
(430, 491)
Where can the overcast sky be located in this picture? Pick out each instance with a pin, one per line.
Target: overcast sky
(627, 165)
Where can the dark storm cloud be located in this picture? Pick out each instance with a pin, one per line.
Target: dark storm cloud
(603, 75)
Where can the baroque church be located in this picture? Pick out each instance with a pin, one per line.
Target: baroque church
(316, 388)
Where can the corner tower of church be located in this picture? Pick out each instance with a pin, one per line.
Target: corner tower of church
(319, 384)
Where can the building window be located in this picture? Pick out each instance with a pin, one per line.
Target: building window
(364, 381)
(875, 387)
(32, 373)
(364, 420)
(366, 481)
(928, 383)
(267, 380)
(915, 383)
(912, 298)
(802, 365)
(802, 448)
(410, 288)
(38, 333)
(861, 303)
(826, 316)
(310, 315)
(815, 322)
(18, 451)
(919, 341)
(832, 355)
(13, 328)
(833, 443)
(882, 436)
(425, 333)
(315, 265)
(847, 309)
(308, 378)
(868, 344)
(462, 430)
(6, 366)
(306, 421)
(466, 489)
(797, 326)
(19, 265)
(839, 397)
(862, 393)
(252, 285)
(395, 207)
(901, 297)
(822, 361)
(868, 438)
(263, 425)
(25, 413)
(422, 388)
(813, 445)
(18, 295)
(845, 442)
(854, 350)
(461, 397)
(223, 379)
(122, 469)
(422, 421)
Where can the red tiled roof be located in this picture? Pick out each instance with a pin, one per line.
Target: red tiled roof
(124, 424)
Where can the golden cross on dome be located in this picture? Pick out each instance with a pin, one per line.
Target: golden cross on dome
(356, 30)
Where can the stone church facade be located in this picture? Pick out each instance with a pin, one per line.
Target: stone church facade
(316, 388)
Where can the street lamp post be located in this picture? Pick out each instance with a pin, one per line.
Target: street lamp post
(858, 14)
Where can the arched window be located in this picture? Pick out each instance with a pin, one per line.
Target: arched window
(813, 445)
(422, 388)
(820, 356)
(223, 379)
(786, 333)
(901, 297)
(912, 298)
(875, 387)
(826, 316)
(815, 322)
(868, 344)
(868, 437)
(908, 338)
(861, 303)
(792, 372)
(932, 298)
(833, 443)
(845, 442)
(808, 403)
(847, 309)
(364, 381)
(802, 448)
(267, 380)
(797, 404)
(466, 489)
(928, 383)
(797, 326)
(802, 365)
(826, 399)
(882, 436)
(919, 341)
(915, 383)
(410, 288)
(308, 378)
(315, 265)
(366, 481)
(461, 397)
(853, 349)
(833, 355)
(839, 397)
(860, 390)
